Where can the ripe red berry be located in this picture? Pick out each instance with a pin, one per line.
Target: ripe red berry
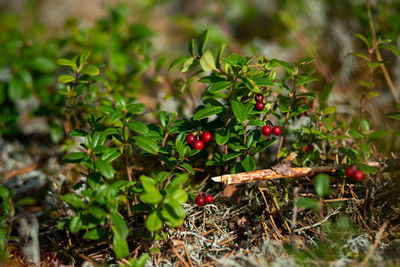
(200, 201)
(276, 130)
(259, 98)
(206, 137)
(209, 199)
(349, 171)
(266, 130)
(190, 139)
(358, 175)
(259, 106)
(198, 145)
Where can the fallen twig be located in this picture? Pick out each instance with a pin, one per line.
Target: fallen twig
(379, 236)
(270, 174)
(318, 223)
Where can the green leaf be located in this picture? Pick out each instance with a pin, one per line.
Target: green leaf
(120, 227)
(180, 147)
(74, 201)
(329, 110)
(179, 195)
(16, 88)
(177, 61)
(75, 224)
(391, 47)
(64, 78)
(120, 247)
(67, 62)
(42, 64)
(91, 70)
(356, 134)
(105, 168)
(307, 203)
(191, 47)
(365, 125)
(162, 176)
(110, 154)
(363, 38)
(98, 234)
(147, 144)
(83, 58)
(239, 110)
(153, 222)
(219, 86)
(322, 185)
(25, 201)
(207, 112)
(227, 157)
(249, 164)
(153, 197)
(219, 55)
(187, 167)
(393, 115)
(222, 136)
(186, 64)
(78, 133)
(141, 262)
(377, 135)
(207, 61)
(138, 127)
(202, 41)
(163, 116)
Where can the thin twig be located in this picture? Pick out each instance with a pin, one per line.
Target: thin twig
(318, 223)
(378, 238)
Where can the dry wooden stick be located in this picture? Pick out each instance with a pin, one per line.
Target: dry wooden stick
(269, 174)
(378, 238)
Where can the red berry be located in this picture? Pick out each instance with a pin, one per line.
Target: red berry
(259, 106)
(259, 98)
(209, 199)
(200, 201)
(276, 130)
(358, 175)
(206, 137)
(190, 139)
(350, 171)
(266, 130)
(198, 145)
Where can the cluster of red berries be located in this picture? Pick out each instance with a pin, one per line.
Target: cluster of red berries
(259, 102)
(201, 201)
(196, 142)
(356, 174)
(267, 130)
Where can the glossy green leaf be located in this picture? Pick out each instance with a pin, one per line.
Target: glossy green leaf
(393, 115)
(147, 144)
(191, 47)
(207, 112)
(153, 222)
(105, 168)
(91, 70)
(67, 62)
(75, 224)
(249, 164)
(239, 110)
(74, 201)
(137, 127)
(202, 41)
(221, 137)
(65, 78)
(219, 86)
(119, 227)
(227, 157)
